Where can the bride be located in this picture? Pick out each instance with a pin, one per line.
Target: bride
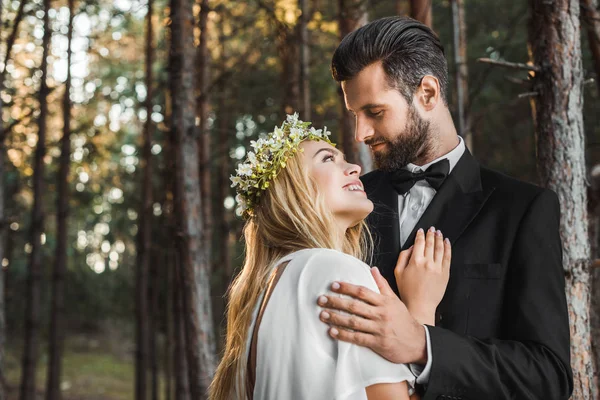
(305, 208)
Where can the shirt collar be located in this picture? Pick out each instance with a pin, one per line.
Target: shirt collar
(453, 156)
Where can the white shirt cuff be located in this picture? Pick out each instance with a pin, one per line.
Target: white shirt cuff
(422, 373)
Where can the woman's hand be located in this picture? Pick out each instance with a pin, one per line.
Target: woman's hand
(422, 274)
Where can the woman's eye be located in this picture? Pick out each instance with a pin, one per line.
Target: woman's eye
(329, 157)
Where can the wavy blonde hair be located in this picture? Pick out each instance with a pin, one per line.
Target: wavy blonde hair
(290, 216)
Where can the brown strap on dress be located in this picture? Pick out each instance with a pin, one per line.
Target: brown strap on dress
(251, 369)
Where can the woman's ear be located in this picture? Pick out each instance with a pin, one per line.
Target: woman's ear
(428, 93)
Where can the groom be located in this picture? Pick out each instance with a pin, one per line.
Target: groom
(502, 329)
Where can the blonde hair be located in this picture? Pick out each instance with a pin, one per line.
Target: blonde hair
(290, 216)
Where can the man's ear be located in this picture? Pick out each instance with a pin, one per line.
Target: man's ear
(428, 93)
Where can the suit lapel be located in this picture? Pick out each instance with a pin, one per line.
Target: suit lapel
(384, 224)
(457, 202)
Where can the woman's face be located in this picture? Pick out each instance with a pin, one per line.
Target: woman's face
(337, 181)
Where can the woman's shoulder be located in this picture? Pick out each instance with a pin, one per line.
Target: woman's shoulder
(330, 264)
(321, 255)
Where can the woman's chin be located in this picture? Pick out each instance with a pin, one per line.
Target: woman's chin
(361, 213)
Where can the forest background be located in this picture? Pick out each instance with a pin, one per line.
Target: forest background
(121, 118)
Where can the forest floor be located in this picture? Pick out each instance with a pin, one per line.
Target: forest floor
(94, 368)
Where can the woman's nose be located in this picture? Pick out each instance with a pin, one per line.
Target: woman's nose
(353, 169)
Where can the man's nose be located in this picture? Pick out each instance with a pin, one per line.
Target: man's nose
(363, 129)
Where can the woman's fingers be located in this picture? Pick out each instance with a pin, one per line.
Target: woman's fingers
(419, 246)
(447, 255)
(430, 243)
(403, 261)
(439, 248)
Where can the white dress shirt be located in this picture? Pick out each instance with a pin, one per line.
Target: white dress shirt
(411, 207)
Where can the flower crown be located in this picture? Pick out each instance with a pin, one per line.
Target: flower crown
(269, 158)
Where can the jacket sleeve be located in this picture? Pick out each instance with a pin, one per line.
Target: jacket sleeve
(531, 359)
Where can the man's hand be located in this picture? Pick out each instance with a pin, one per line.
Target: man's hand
(422, 274)
(380, 322)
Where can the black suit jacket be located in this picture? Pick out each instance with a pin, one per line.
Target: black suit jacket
(502, 328)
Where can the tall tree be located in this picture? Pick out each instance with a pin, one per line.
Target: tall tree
(56, 342)
(4, 233)
(195, 279)
(591, 17)
(176, 368)
(352, 14)
(304, 60)
(145, 231)
(554, 35)
(34, 276)
(222, 262)
(462, 73)
(204, 143)
(421, 10)
(182, 385)
(153, 326)
(170, 325)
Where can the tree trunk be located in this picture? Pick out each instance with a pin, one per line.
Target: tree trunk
(3, 243)
(182, 387)
(175, 371)
(462, 74)
(289, 53)
(204, 154)
(352, 15)
(591, 17)
(304, 60)
(222, 263)
(4, 233)
(145, 232)
(594, 233)
(34, 277)
(153, 325)
(421, 11)
(57, 331)
(12, 38)
(188, 204)
(169, 323)
(554, 34)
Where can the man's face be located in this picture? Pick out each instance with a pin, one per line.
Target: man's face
(393, 129)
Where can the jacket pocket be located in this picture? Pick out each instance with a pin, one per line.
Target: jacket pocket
(483, 271)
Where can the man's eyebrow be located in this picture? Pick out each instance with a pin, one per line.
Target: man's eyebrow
(334, 151)
(371, 105)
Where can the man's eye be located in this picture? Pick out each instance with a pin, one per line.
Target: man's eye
(375, 114)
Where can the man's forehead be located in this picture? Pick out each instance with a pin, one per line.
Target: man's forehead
(368, 97)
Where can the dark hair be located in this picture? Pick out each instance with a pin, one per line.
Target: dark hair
(407, 49)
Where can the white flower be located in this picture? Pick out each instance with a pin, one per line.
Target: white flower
(252, 158)
(235, 180)
(295, 133)
(243, 206)
(244, 169)
(292, 119)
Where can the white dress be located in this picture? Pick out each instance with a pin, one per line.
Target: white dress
(296, 357)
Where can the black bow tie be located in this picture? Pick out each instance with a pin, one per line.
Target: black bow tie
(403, 180)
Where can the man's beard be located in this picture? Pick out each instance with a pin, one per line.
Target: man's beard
(407, 146)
